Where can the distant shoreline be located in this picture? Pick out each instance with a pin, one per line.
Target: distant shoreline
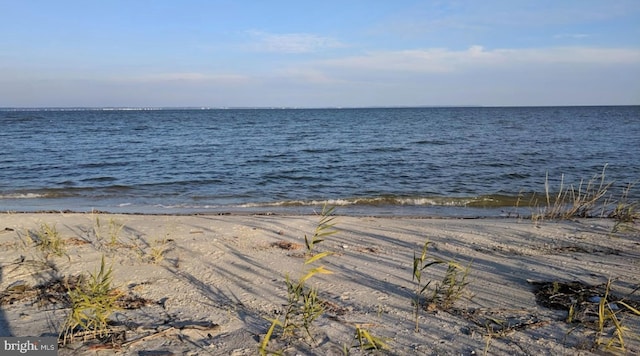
(160, 108)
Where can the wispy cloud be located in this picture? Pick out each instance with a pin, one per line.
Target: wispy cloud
(188, 77)
(292, 42)
(444, 60)
(476, 75)
(571, 35)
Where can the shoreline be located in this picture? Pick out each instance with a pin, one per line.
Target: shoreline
(307, 210)
(219, 278)
(267, 213)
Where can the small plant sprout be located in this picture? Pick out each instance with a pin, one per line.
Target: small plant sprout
(324, 228)
(303, 305)
(107, 235)
(367, 341)
(418, 266)
(114, 232)
(452, 286)
(158, 251)
(446, 292)
(96, 226)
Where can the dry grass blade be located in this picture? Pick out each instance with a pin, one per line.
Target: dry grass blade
(632, 309)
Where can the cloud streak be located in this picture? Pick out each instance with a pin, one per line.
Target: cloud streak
(474, 76)
(291, 43)
(571, 35)
(444, 60)
(188, 77)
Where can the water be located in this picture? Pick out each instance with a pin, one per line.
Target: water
(398, 161)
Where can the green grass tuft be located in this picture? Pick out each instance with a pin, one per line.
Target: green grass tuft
(92, 303)
(446, 292)
(48, 240)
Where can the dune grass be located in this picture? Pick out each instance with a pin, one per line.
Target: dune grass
(589, 199)
(625, 212)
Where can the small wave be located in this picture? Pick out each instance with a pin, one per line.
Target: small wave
(516, 175)
(387, 149)
(68, 192)
(432, 142)
(99, 179)
(102, 165)
(23, 196)
(489, 201)
(319, 150)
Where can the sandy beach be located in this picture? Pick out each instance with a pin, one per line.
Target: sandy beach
(209, 284)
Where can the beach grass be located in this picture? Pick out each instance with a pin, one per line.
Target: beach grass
(368, 341)
(453, 286)
(158, 250)
(594, 309)
(303, 304)
(608, 314)
(589, 199)
(108, 235)
(93, 301)
(571, 201)
(625, 212)
(48, 240)
(419, 265)
(446, 292)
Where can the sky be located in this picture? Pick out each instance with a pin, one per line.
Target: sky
(346, 53)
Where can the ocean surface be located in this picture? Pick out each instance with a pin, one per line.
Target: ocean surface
(469, 161)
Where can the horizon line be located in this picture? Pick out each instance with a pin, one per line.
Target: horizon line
(152, 108)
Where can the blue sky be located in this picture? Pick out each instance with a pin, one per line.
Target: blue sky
(319, 53)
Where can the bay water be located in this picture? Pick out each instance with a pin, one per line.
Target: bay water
(466, 161)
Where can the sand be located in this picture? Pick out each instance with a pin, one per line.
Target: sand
(218, 279)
